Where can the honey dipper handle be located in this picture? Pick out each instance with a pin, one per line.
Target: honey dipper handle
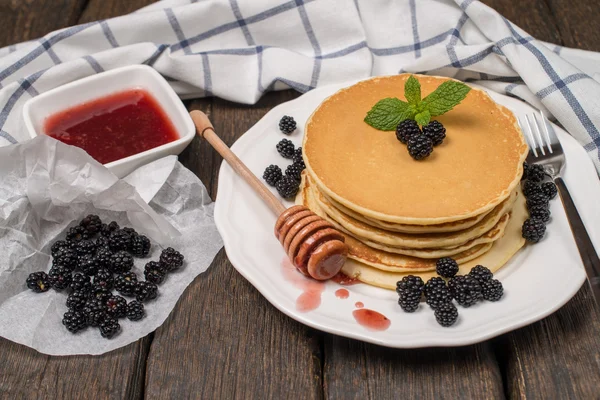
(205, 130)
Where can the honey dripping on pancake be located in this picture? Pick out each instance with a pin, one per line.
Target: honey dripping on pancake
(344, 280)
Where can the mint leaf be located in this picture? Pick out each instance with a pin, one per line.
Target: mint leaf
(423, 118)
(412, 91)
(388, 113)
(448, 95)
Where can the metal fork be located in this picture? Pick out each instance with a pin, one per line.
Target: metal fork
(545, 150)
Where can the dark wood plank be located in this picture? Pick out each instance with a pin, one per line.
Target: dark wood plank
(103, 9)
(27, 374)
(26, 20)
(533, 16)
(355, 370)
(558, 357)
(577, 23)
(224, 340)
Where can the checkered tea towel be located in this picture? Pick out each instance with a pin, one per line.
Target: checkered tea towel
(239, 49)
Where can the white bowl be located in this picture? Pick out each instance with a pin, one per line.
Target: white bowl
(37, 109)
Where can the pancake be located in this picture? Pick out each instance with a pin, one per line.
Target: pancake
(370, 171)
(385, 260)
(369, 234)
(405, 228)
(500, 253)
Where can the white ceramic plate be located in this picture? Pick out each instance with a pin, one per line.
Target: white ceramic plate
(537, 281)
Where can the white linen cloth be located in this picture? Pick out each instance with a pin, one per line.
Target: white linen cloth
(239, 49)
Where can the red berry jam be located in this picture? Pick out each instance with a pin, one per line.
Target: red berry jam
(113, 127)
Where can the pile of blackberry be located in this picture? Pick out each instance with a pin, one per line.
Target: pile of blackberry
(95, 259)
(538, 194)
(287, 183)
(420, 142)
(479, 284)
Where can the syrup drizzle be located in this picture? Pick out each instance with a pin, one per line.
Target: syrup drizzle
(342, 293)
(372, 320)
(310, 299)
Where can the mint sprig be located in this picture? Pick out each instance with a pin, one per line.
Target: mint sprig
(389, 112)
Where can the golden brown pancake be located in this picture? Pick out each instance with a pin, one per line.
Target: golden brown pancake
(370, 171)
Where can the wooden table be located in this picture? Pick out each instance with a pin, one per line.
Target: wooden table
(224, 340)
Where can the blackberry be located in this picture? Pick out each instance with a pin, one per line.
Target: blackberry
(549, 189)
(525, 169)
(58, 246)
(94, 311)
(101, 242)
(116, 306)
(436, 292)
(76, 300)
(109, 327)
(104, 279)
(287, 187)
(535, 173)
(120, 262)
(480, 274)
(435, 131)
(293, 171)
(125, 283)
(446, 267)
(119, 240)
(530, 188)
(465, 289)
(107, 230)
(287, 124)
(65, 257)
(74, 321)
(409, 291)
(171, 259)
(533, 230)
(140, 246)
(135, 310)
(446, 314)
(132, 232)
(492, 290)
(145, 291)
(297, 159)
(272, 174)
(540, 213)
(77, 233)
(38, 282)
(81, 283)
(155, 272)
(103, 256)
(88, 264)
(100, 293)
(419, 147)
(285, 148)
(92, 224)
(537, 199)
(60, 277)
(406, 129)
(85, 246)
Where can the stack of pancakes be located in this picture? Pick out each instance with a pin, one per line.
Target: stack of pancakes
(400, 215)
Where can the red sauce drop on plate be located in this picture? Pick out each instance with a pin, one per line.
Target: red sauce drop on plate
(359, 304)
(342, 293)
(344, 280)
(371, 320)
(113, 127)
(310, 299)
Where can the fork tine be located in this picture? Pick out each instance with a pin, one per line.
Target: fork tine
(528, 136)
(536, 134)
(552, 138)
(546, 133)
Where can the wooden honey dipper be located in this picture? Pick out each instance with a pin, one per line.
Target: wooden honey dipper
(313, 245)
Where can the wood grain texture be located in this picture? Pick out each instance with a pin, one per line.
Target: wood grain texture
(22, 20)
(103, 9)
(27, 374)
(224, 340)
(355, 370)
(577, 22)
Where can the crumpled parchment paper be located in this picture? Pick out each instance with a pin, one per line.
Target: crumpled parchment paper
(46, 186)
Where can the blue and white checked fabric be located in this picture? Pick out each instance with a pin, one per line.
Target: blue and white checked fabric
(239, 49)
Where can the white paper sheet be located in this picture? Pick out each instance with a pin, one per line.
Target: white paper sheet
(46, 186)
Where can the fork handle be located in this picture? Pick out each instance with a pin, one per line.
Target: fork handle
(588, 254)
